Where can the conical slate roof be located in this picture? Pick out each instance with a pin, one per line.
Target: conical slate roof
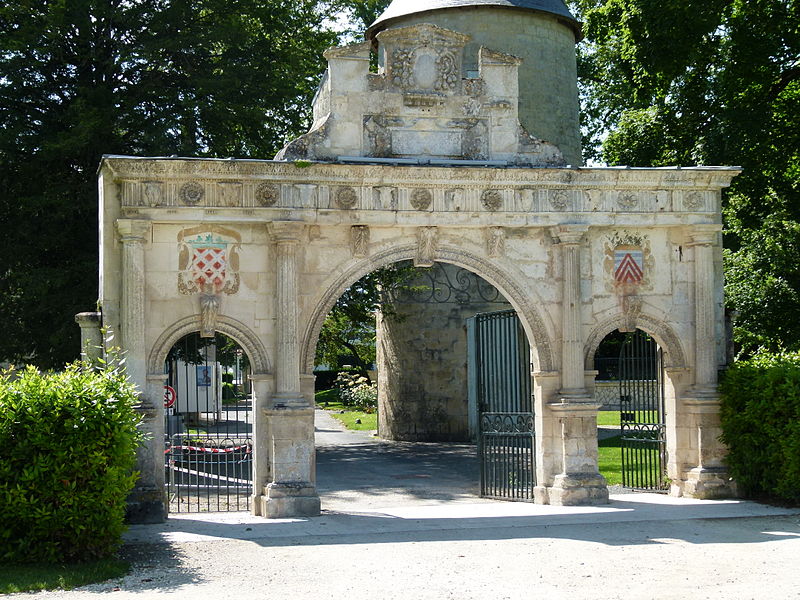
(402, 8)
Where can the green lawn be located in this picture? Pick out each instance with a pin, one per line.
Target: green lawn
(608, 417)
(609, 459)
(329, 400)
(34, 578)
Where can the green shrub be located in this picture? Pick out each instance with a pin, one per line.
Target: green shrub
(356, 390)
(67, 452)
(761, 425)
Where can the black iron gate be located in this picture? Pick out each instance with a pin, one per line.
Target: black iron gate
(208, 450)
(506, 448)
(641, 394)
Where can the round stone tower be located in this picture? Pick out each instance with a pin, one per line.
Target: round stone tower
(542, 33)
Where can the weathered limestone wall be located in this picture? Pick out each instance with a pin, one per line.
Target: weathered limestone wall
(422, 358)
(548, 92)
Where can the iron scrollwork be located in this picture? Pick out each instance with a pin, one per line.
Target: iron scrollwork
(435, 285)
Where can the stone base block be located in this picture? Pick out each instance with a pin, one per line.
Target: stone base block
(579, 489)
(281, 500)
(541, 494)
(709, 484)
(146, 506)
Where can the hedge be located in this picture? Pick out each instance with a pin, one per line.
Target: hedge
(67, 453)
(761, 426)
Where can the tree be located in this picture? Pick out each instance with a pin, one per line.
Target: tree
(361, 13)
(84, 78)
(711, 82)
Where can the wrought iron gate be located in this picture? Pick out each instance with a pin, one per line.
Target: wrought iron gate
(506, 448)
(208, 451)
(641, 395)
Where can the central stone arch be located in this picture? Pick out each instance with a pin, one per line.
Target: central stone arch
(501, 277)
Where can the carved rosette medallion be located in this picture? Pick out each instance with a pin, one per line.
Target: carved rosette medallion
(191, 193)
(421, 199)
(627, 200)
(267, 194)
(559, 199)
(693, 200)
(492, 200)
(346, 198)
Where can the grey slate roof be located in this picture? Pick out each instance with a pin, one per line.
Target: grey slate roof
(401, 8)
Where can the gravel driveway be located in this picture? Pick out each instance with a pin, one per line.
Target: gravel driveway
(409, 537)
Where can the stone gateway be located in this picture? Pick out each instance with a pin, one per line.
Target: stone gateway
(456, 152)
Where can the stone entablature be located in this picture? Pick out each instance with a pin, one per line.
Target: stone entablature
(264, 187)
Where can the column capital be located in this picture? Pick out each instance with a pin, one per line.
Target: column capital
(569, 234)
(133, 230)
(704, 235)
(286, 231)
(89, 320)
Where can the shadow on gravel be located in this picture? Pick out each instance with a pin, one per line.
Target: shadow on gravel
(345, 529)
(442, 471)
(155, 567)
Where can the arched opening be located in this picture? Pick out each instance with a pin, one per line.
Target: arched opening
(208, 425)
(630, 386)
(448, 349)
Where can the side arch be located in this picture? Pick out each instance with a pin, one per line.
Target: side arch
(231, 327)
(674, 355)
(505, 282)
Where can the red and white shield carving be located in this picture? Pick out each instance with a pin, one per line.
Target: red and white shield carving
(209, 267)
(628, 265)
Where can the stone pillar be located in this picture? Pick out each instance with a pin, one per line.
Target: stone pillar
(579, 481)
(289, 418)
(709, 478)
(91, 336)
(262, 386)
(146, 502)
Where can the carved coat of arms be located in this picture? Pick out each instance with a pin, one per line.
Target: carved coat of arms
(208, 261)
(628, 262)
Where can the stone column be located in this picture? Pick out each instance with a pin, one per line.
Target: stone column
(289, 418)
(133, 234)
(91, 336)
(579, 481)
(709, 478)
(146, 502)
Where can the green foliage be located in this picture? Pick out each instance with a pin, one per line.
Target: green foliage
(356, 391)
(79, 79)
(361, 13)
(710, 82)
(67, 453)
(348, 333)
(761, 425)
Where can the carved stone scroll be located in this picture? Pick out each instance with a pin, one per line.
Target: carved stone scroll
(359, 240)
(495, 242)
(427, 241)
(209, 311)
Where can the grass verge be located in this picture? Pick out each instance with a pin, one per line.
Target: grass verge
(329, 400)
(608, 417)
(34, 578)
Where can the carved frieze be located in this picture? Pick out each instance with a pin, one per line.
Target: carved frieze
(152, 194)
(384, 198)
(627, 200)
(559, 199)
(693, 200)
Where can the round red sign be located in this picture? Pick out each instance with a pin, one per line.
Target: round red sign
(169, 396)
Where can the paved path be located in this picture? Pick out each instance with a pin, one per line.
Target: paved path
(423, 540)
